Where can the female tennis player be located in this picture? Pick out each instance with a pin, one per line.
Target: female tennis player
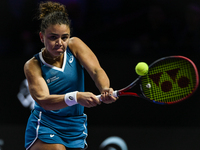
(56, 82)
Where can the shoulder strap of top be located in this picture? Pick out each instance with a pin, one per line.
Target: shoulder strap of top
(38, 58)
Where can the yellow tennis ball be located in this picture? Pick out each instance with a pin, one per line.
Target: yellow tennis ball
(141, 68)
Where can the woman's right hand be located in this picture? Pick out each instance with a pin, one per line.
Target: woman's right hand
(87, 99)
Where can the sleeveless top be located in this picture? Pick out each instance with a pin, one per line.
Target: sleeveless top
(69, 78)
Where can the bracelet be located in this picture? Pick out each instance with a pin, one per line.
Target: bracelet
(70, 98)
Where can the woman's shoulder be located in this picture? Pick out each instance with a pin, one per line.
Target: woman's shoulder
(31, 63)
(75, 44)
(74, 40)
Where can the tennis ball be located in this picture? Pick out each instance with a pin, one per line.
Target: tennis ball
(141, 68)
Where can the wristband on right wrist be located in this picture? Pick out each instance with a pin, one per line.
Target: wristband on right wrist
(70, 98)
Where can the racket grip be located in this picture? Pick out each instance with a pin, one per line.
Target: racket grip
(114, 94)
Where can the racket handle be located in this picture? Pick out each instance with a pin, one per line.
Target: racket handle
(114, 94)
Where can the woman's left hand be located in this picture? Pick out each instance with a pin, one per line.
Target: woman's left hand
(107, 96)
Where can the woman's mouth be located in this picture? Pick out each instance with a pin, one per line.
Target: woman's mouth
(59, 50)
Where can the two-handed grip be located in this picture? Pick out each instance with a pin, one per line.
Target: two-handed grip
(114, 94)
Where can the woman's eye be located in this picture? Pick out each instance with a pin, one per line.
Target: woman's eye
(53, 37)
(64, 38)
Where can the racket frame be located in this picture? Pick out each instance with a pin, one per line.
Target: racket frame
(122, 92)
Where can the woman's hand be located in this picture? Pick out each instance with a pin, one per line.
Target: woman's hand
(87, 99)
(107, 96)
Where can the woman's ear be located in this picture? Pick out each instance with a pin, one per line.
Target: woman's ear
(41, 37)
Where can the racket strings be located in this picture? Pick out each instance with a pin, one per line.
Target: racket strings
(169, 81)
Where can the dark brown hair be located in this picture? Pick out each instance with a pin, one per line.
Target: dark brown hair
(51, 13)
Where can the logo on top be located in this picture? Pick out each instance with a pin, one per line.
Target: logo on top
(71, 59)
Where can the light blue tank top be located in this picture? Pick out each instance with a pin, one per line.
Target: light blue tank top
(69, 78)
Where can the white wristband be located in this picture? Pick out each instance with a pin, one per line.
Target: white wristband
(70, 98)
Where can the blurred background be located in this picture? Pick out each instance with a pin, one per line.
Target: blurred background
(121, 33)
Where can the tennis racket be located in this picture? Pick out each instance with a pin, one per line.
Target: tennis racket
(170, 80)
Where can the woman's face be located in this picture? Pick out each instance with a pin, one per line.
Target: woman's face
(55, 39)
